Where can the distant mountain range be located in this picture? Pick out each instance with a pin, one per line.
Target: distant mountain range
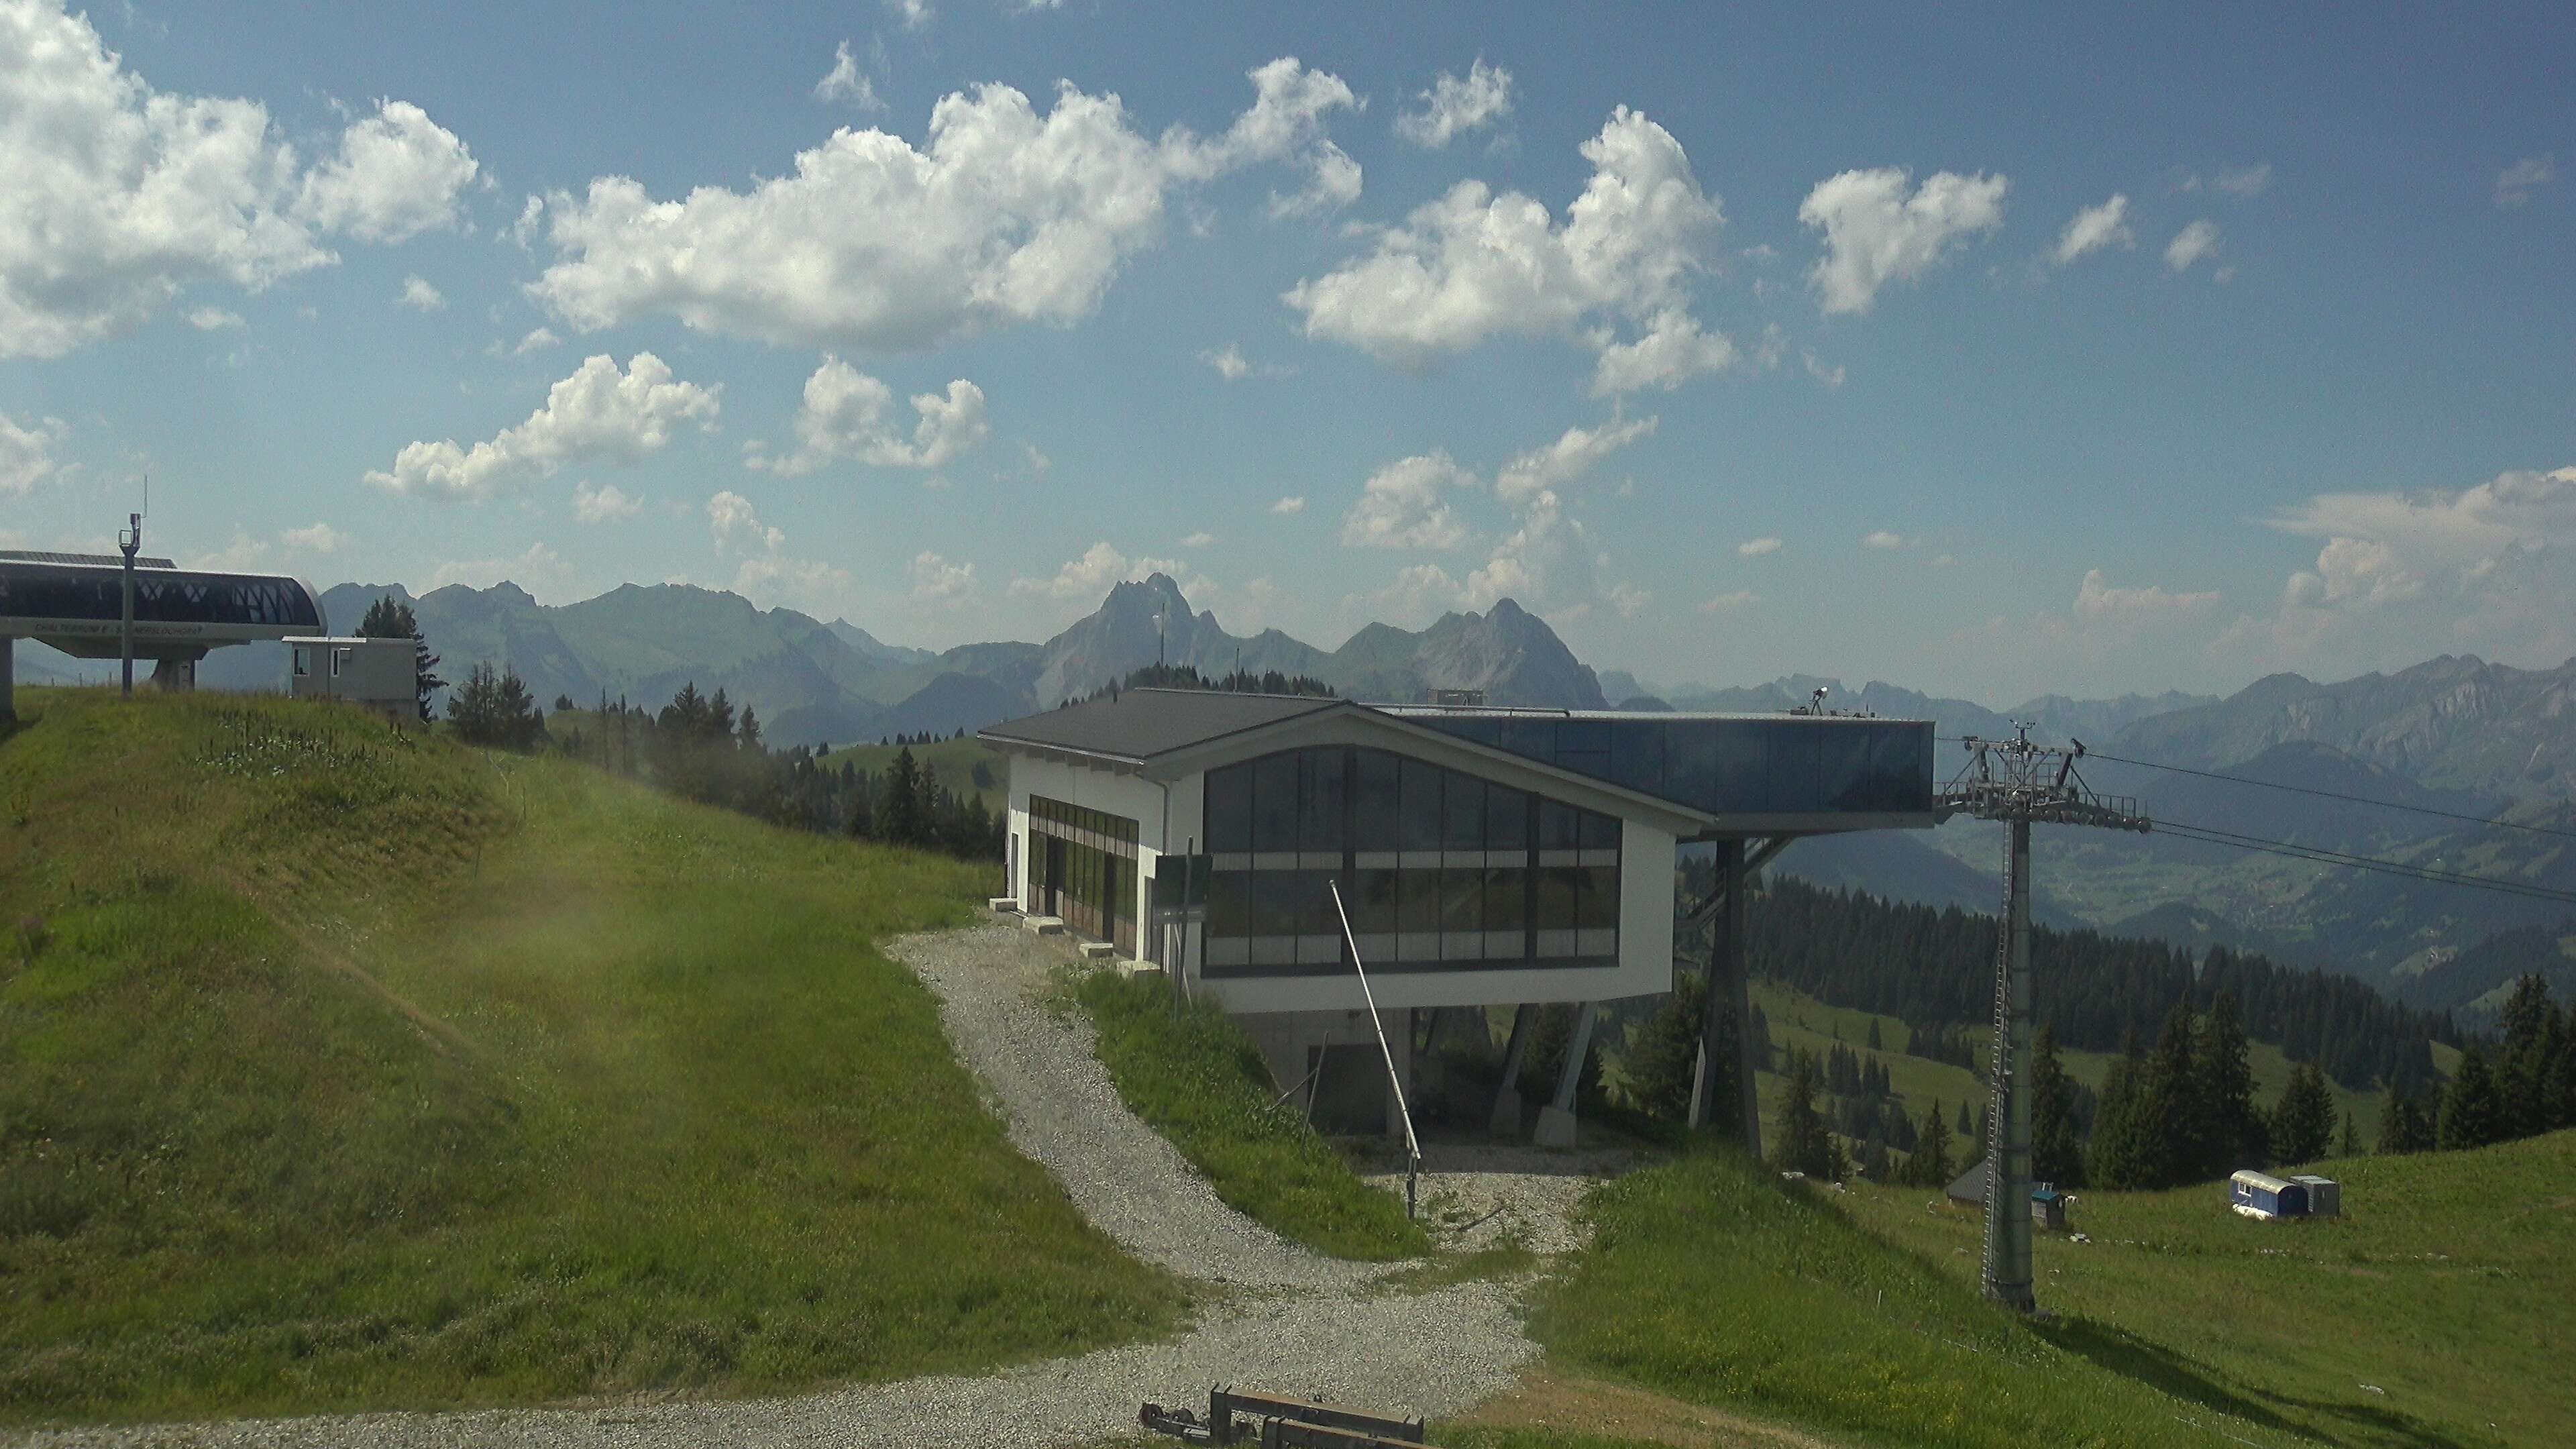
(2455, 735)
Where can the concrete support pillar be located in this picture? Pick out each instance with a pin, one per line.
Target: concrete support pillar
(1507, 1097)
(174, 675)
(1556, 1120)
(8, 679)
(1729, 996)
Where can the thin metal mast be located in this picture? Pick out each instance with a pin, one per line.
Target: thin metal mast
(130, 541)
(2017, 782)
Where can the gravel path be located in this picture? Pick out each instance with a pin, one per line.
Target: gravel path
(1295, 1322)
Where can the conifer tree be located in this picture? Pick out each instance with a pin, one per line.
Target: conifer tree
(2523, 1062)
(1801, 1143)
(2350, 1144)
(1929, 1166)
(901, 818)
(2303, 1124)
(2473, 1110)
(2169, 1108)
(2406, 1126)
(388, 619)
(2056, 1155)
(2121, 1155)
(2233, 1132)
(1873, 1035)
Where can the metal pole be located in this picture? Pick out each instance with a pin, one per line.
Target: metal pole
(2007, 1265)
(130, 542)
(1395, 1079)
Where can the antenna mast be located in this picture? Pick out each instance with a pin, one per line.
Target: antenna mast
(2017, 782)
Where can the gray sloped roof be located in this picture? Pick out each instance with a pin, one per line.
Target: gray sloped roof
(1970, 1186)
(1138, 724)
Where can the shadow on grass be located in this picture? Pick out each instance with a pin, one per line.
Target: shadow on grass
(2124, 1353)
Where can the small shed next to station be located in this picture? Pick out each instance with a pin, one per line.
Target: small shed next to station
(376, 674)
(2262, 1196)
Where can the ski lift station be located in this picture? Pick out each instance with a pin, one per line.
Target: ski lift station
(75, 602)
(1485, 856)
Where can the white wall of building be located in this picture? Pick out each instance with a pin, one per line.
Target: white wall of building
(1131, 796)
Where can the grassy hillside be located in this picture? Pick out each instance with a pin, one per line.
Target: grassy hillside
(340, 1068)
(2433, 1314)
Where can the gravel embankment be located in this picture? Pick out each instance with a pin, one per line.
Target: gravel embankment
(1297, 1322)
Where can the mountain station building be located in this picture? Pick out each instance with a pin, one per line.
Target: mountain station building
(1485, 856)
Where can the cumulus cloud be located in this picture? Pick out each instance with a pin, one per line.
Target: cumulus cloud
(1228, 362)
(847, 414)
(1093, 574)
(1289, 507)
(937, 581)
(1758, 547)
(1672, 350)
(1406, 505)
(1576, 453)
(397, 174)
(1475, 264)
(114, 197)
(1200, 539)
(845, 84)
(1882, 538)
(2097, 601)
(2191, 244)
(214, 319)
(1454, 105)
(599, 412)
(315, 537)
(420, 295)
(1877, 230)
(2515, 183)
(604, 503)
(536, 339)
(27, 453)
(766, 571)
(2096, 227)
(2382, 545)
(1004, 215)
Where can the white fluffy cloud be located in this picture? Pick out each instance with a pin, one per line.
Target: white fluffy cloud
(397, 174)
(114, 197)
(1575, 453)
(1289, 507)
(937, 581)
(420, 295)
(604, 503)
(2515, 183)
(214, 319)
(315, 537)
(1672, 351)
(1406, 505)
(1228, 362)
(2384, 546)
(1882, 538)
(2096, 227)
(1455, 104)
(1475, 264)
(1877, 230)
(1092, 575)
(597, 413)
(536, 339)
(1005, 215)
(2191, 244)
(1758, 547)
(27, 453)
(767, 572)
(2098, 602)
(847, 414)
(844, 83)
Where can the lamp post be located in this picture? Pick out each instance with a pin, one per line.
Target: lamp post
(130, 541)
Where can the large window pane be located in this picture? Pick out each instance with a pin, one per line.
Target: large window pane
(1374, 912)
(1320, 797)
(1600, 832)
(1376, 803)
(1274, 803)
(1464, 799)
(1418, 901)
(1506, 898)
(1556, 827)
(1420, 805)
(1557, 886)
(1597, 907)
(1507, 825)
(1229, 808)
(1274, 903)
(1843, 770)
(1462, 900)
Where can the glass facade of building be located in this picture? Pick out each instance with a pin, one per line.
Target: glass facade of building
(97, 595)
(1440, 870)
(1752, 766)
(1082, 869)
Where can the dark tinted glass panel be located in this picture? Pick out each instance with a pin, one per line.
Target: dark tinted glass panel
(1557, 885)
(1420, 806)
(160, 597)
(1506, 898)
(1598, 903)
(1464, 807)
(1229, 808)
(1637, 756)
(1274, 802)
(1797, 755)
(1375, 786)
(1556, 828)
(1462, 899)
(1843, 767)
(1418, 901)
(1315, 914)
(1600, 832)
(1506, 819)
(1274, 902)
(1373, 912)
(1320, 781)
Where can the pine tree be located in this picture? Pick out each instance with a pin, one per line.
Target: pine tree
(2169, 1108)
(1800, 1141)
(1873, 1035)
(2233, 1133)
(2122, 1153)
(2406, 1126)
(2056, 1153)
(901, 820)
(2522, 1063)
(388, 619)
(2350, 1144)
(1664, 1052)
(1929, 1166)
(2473, 1110)
(2303, 1124)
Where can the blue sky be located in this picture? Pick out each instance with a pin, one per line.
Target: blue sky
(2002, 354)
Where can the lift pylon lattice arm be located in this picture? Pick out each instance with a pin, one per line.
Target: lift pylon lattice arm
(2017, 782)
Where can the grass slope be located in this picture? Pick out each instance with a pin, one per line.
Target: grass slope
(1857, 1316)
(1197, 1079)
(342, 1069)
